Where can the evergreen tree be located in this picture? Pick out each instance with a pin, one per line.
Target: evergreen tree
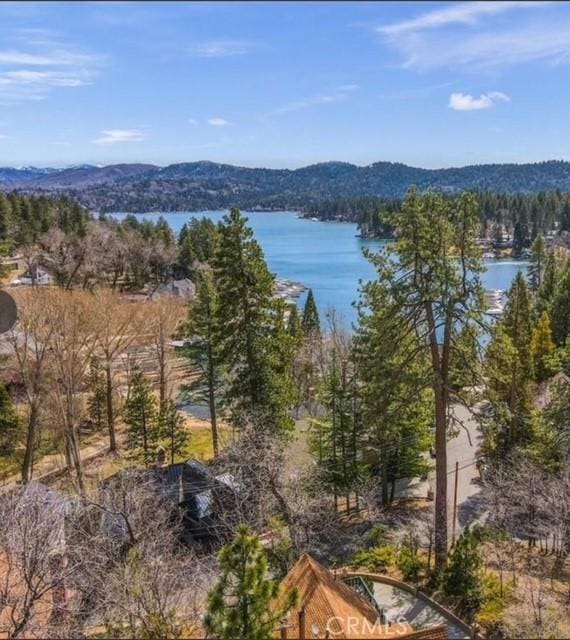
(517, 321)
(5, 220)
(251, 349)
(461, 580)
(337, 437)
(502, 391)
(395, 407)
(520, 236)
(548, 285)
(172, 430)
(560, 309)
(311, 322)
(203, 350)
(196, 246)
(246, 604)
(431, 273)
(515, 404)
(9, 423)
(543, 349)
(140, 416)
(97, 400)
(294, 326)
(538, 259)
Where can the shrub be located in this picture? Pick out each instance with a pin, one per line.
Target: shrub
(375, 559)
(461, 579)
(490, 615)
(379, 535)
(410, 564)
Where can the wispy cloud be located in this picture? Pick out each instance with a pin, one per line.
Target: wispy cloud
(222, 48)
(43, 78)
(465, 13)
(55, 58)
(218, 122)
(467, 102)
(338, 94)
(470, 35)
(116, 136)
(40, 63)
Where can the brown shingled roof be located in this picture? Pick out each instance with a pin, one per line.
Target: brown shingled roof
(330, 604)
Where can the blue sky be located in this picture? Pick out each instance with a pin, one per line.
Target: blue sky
(284, 84)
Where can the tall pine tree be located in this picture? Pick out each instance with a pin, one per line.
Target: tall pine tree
(203, 349)
(432, 273)
(393, 383)
(140, 415)
(311, 322)
(172, 430)
(250, 346)
(538, 259)
(543, 349)
(560, 309)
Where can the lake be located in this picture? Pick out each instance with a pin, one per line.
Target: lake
(325, 256)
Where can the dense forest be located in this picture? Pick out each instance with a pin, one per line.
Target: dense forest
(523, 215)
(206, 185)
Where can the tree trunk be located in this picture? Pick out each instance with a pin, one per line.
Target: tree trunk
(441, 484)
(439, 373)
(213, 420)
(30, 443)
(110, 409)
(384, 488)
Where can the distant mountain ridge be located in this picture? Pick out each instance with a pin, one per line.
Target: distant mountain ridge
(209, 185)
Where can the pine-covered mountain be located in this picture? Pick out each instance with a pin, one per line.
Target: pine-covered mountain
(208, 185)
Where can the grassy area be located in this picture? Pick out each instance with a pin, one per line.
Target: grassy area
(200, 440)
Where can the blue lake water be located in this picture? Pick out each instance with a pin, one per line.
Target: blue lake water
(325, 256)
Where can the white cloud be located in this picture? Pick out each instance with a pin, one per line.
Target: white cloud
(467, 102)
(218, 122)
(469, 36)
(221, 48)
(41, 64)
(338, 94)
(192, 121)
(464, 13)
(115, 136)
(52, 58)
(45, 78)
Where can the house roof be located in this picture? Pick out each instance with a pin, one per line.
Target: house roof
(192, 483)
(183, 288)
(331, 605)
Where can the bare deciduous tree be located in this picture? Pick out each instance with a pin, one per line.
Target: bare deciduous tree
(71, 348)
(117, 324)
(30, 341)
(34, 567)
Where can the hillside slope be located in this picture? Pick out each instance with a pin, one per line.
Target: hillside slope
(209, 185)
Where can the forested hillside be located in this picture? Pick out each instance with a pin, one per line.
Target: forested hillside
(207, 185)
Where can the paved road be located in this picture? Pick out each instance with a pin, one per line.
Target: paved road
(463, 449)
(398, 604)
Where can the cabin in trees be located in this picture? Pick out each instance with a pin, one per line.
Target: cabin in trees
(200, 495)
(196, 494)
(328, 607)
